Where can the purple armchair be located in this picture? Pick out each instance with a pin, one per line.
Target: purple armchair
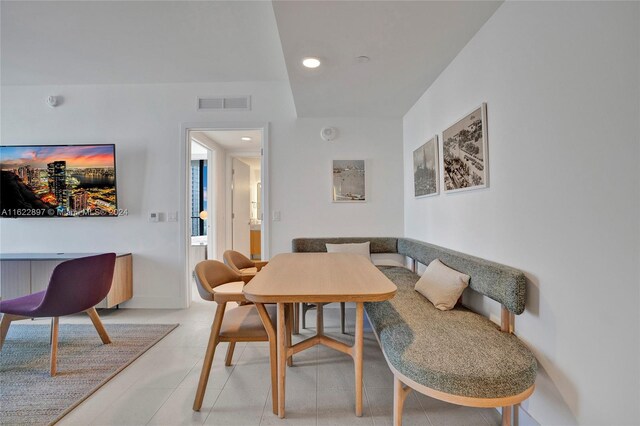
(75, 286)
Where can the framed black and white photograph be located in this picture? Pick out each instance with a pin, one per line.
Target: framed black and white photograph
(464, 152)
(349, 181)
(425, 169)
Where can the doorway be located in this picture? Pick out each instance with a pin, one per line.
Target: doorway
(202, 242)
(246, 205)
(226, 190)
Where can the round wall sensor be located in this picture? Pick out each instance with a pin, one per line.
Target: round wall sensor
(328, 133)
(52, 101)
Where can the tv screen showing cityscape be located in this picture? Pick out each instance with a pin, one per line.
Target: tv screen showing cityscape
(58, 181)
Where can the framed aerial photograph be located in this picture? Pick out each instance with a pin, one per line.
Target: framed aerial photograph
(464, 152)
(425, 169)
(349, 181)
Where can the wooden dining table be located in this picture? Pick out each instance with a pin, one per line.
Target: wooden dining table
(318, 278)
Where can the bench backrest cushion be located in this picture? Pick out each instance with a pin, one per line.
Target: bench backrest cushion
(319, 245)
(501, 283)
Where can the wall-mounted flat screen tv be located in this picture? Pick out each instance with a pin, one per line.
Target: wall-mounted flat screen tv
(58, 181)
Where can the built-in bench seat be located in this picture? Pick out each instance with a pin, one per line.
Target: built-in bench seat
(457, 352)
(456, 356)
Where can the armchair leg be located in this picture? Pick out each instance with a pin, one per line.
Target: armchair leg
(4, 326)
(54, 345)
(229, 357)
(95, 319)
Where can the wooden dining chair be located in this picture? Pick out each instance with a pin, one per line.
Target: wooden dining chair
(243, 323)
(242, 265)
(302, 316)
(248, 269)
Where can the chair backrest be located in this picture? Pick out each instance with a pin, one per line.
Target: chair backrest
(211, 273)
(78, 284)
(237, 261)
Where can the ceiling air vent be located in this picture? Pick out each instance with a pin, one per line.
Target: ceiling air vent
(230, 103)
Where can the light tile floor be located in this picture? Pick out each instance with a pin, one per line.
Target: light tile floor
(158, 388)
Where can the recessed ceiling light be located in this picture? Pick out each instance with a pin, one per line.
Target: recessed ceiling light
(311, 62)
(246, 138)
(362, 59)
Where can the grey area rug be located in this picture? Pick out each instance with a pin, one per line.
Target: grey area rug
(28, 395)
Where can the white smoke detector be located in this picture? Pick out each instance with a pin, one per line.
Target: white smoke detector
(328, 133)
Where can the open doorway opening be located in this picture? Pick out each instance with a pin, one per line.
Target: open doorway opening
(201, 235)
(226, 188)
(246, 206)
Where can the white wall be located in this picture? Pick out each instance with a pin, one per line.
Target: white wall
(302, 191)
(144, 121)
(562, 85)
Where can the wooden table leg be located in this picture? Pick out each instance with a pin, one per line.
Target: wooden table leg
(282, 357)
(319, 319)
(273, 355)
(358, 347)
(289, 324)
(296, 318)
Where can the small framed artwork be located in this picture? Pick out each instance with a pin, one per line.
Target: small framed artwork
(464, 152)
(349, 181)
(425, 169)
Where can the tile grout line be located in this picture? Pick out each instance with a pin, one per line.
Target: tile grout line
(116, 399)
(223, 386)
(424, 410)
(172, 392)
(160, 406)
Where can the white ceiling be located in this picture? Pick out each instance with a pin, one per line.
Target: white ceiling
(230, 139)
(198, 151)
(409, 44)
(101, 42)
(253, 162)
(121, 42)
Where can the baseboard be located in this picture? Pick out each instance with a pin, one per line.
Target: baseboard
(152, 302)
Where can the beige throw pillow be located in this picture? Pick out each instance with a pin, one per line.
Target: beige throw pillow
(442, 285)
(355, 248)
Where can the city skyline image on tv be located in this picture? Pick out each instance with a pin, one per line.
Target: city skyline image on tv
(58, 181)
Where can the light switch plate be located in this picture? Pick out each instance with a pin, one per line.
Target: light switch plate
(172, 216)
(276, 215)
(154, 217)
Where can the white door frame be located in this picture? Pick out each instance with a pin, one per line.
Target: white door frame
(185, 170)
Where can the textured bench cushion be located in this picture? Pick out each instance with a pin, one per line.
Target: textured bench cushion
(457, 352)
